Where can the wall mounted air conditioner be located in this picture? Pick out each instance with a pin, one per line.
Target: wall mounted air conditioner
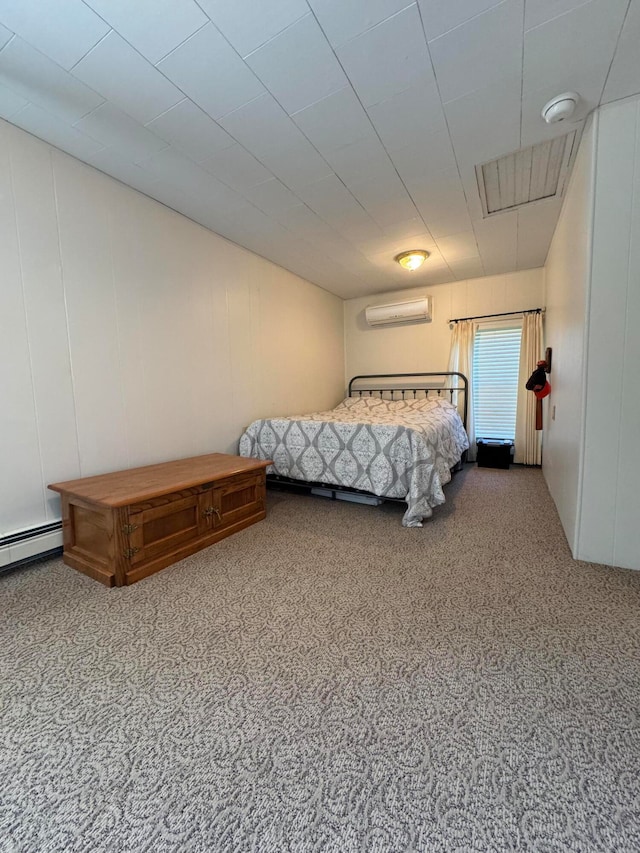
(414, 311)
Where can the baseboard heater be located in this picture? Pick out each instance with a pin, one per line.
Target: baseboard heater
(25, 546)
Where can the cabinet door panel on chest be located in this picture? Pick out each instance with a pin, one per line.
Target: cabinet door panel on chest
(238, 499)
(166, 523)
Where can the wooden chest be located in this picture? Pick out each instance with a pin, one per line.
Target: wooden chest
(121, 527)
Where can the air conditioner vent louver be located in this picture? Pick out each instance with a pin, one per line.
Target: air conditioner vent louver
(525, 176)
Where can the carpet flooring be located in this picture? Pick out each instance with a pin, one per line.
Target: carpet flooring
(328, 680)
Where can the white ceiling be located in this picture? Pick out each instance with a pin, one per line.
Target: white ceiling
(325, 135)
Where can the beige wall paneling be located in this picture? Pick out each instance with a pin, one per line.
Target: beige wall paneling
(627, 532)
(92, 315)
(45, 312)
(609, 524)
(567, 282)
(627, 526)
(131, 334)
(21, 492)
(591, 457)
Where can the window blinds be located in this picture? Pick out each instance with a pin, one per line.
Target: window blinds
(496, 361)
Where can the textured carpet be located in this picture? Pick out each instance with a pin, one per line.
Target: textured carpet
(328, 680)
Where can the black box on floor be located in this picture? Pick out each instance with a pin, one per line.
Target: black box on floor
(494, 453)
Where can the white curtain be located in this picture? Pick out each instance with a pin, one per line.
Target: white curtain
(461, 360)
(528, 449)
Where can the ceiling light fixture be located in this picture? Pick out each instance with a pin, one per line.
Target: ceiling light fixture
(412, 259)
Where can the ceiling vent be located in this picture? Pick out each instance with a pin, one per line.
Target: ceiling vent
(526, 176)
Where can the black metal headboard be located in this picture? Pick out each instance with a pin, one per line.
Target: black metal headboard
(412, 385)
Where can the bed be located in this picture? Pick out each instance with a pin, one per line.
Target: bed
(395, 437)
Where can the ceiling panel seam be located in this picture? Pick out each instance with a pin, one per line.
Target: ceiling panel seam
(446, 120)
(372, 123)
(615, 50)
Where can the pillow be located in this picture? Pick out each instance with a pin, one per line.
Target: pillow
(419, 403)
(374, 403)
(365, 402)
(423, 404)
(351, 403)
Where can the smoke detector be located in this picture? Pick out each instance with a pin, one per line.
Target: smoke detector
(560, 108)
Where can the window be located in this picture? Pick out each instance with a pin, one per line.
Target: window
(496, 361)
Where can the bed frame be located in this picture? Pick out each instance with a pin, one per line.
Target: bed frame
(414, 386)
(390, 386)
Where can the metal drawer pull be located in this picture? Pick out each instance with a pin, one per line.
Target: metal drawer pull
(210, 510)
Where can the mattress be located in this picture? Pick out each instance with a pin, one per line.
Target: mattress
(395, 449)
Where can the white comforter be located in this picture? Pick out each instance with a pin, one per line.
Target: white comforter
(395, 449)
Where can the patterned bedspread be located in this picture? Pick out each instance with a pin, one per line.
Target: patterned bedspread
(395, 449)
